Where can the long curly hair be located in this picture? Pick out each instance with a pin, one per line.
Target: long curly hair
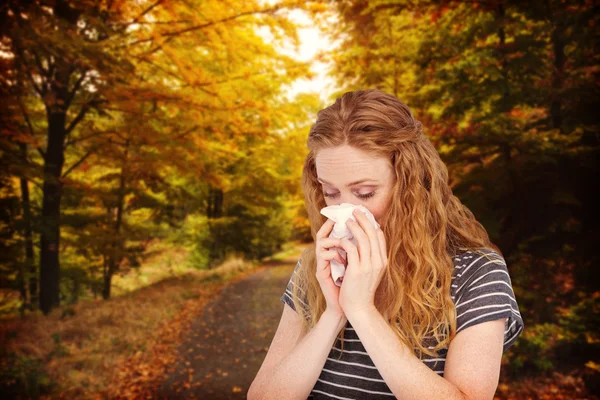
(424, 223)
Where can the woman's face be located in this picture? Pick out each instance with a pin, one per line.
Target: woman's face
(349, 175)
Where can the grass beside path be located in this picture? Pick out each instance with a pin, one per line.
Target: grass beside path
(114, 348)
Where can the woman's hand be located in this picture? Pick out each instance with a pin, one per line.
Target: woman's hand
(366, 264)
(330, 290)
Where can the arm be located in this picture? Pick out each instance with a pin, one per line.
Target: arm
(409, 378)
(295, 375)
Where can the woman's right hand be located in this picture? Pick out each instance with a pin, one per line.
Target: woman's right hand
(324, 256)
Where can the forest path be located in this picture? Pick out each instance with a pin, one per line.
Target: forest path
(222, 352)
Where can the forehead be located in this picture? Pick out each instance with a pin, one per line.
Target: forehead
(340, 165)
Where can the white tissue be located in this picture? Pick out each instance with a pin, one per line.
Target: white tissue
(339, 214)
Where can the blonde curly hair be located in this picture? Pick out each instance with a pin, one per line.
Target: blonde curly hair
(424, 223)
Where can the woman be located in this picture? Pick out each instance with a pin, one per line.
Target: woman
(426, 307)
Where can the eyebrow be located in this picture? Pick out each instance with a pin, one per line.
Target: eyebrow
(350, 184)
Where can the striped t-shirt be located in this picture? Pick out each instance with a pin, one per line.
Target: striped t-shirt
(481, 290)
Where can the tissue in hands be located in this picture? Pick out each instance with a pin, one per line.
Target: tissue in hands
(339, 214)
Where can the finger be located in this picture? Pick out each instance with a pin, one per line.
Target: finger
(333, 255)
(352, 254)
(382, 246)
(371, 234)
(363, 221)
(325, 229)
(364, 248)
(329, 243)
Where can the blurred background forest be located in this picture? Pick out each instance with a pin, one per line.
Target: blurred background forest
(149, 132)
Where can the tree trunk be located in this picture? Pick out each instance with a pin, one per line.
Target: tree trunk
(558, 73)
(214, 208)
(107, 281)
(52, 191)
(511, 229)
(29, 289)
(56, 101)
(106, 278)
(116, 248)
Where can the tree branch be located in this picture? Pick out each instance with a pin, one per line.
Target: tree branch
(41, 91)
(82, 159)
(84, 109)
(29, 125)
(184, 133)
(412, 6)
(82, 112)
(39, 63)
(122, 26)
(83, 138)
(146, 11)
(210, 23)
(76, 87)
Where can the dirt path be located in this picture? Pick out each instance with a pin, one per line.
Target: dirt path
(227, 344)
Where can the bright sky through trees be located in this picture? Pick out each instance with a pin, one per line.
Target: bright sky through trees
(312, 41)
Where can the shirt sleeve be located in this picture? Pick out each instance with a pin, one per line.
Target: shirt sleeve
(286, 297)
(483, 292)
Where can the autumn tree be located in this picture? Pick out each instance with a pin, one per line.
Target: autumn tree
(120, 99)
(505, 90)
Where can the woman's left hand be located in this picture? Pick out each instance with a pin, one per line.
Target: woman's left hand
(366, 264)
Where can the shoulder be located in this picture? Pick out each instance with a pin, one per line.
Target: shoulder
(482, 291)
(482, 268)
(295, 286)
(468, 263)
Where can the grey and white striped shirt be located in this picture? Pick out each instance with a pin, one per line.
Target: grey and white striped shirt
(481, 290)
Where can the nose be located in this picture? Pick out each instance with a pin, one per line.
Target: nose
(348, 198)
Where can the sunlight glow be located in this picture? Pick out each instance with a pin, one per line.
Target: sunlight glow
(312, 42)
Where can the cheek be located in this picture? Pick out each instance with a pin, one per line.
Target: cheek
(378, 209)
(377, 214)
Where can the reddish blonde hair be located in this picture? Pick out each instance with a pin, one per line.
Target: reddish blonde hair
(424, 224)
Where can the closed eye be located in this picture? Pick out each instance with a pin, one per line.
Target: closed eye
(362, 196)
